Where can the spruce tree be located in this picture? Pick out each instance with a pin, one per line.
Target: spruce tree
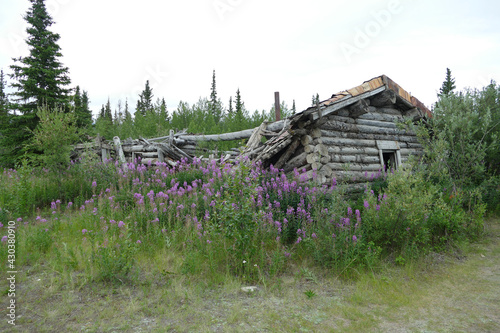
(239, 116)
(82, 112)
(215, 107)
(40, 80)
(145, 102)
(4, 111)
(230, 108)
(108, 115)
(4, 102)
(448, 84)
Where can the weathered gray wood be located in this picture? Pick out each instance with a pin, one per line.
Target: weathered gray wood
(390, 111)
(119, 151)
(315, 133)
(311, 158)
(339, 118)
(148, 155)
(151, 161)
(411, 151)
(256, 137)
(345, 102)
(347, 142)
(381, 117)
(355, 159)
(325, 159)
(105, 154)
(354, 166)
(414, 114)
(286, 155)
(309, 149)
(333, 150)
(353, 128)
(321, 149)
(306, 140)
(387, 145)
(359, 108)
(138, 148)
(267, 153)
(161, 157)
(338, 126)
(375, 123)
(387, 97)
(367, 136)
(296, 162)
(245, 134)
(355, 176)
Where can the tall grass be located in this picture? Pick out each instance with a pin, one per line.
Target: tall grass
(219, 219)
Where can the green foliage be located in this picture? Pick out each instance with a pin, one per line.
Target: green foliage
(83, 115)
(40, 79)
(53, 136)
(456, 140)
(414, 216)
(145, 101)
(113, 259)
(40, 240)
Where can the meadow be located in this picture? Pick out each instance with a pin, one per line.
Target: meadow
(171, 235)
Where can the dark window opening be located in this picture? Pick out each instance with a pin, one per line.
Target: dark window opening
(389, 160)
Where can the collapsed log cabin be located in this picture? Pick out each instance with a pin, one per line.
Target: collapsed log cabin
(349, 137)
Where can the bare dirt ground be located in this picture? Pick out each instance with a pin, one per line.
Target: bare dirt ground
(454, 292)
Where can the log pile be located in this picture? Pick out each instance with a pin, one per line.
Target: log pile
(351, 137)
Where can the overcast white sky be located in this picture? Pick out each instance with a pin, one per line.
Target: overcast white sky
(296, 47)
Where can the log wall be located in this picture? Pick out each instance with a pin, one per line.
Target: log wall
(345, 146)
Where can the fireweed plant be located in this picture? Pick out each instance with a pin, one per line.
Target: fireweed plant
(220, 220)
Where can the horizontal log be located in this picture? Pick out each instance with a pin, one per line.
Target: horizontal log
(93, 145)
(273, 127)
(339, 126)
(149, 160)
(147, 155)
(391, 111)
(347, 142)
(138, 148)
(381, 117)
(355, 159)
(334, 150)
(366, 136)
(411, 151)
(372, 167)
(356, 176)
(339, 118)
(360, 128)
(375, 123)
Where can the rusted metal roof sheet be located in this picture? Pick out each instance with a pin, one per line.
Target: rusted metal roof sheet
(376, 83)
